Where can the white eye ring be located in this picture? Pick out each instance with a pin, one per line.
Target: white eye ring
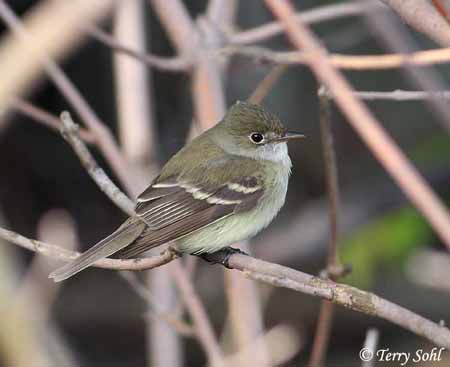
(257, 138)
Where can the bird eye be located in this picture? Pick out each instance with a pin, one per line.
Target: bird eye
(257, 138)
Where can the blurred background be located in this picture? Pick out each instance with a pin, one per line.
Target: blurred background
(97, 318)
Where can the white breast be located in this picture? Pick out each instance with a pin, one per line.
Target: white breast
(244, 226)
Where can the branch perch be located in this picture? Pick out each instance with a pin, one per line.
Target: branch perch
(276, 275)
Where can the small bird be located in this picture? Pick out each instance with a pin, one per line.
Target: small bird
(223, 187)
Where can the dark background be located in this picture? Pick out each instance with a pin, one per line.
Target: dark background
(101, 316)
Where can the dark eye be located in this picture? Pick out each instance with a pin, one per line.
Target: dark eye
(257, 138)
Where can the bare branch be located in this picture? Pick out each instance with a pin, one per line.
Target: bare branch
(154, 311)
(375, 137)
(422, 16)
(331, 177)
(276, 275)
(316, 15)
(265, 85)
(222, 12)
(341, 294)
(69, 131)
(399, 95)
(346, 62)
(325, 320)
(202, 324)
(179, 26)
(443, 8)
(173, 64)
(46, 118)
(66, 255)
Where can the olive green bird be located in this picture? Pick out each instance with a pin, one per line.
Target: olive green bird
(223, 187)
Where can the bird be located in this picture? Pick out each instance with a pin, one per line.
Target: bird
(223, 187)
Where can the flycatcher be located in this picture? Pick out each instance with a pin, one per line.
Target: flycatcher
(223, 187)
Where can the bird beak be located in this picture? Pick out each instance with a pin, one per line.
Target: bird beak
(289, 135)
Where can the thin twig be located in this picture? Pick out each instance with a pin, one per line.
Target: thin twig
(202, 324)
(179, 26)
(173, 64)
(276, 275)
(375, 137)
(69, 131)
(46, 118)
(345, 62)
(331, 177)
(65, 255)
(325, 319)
(316, 15)
(154, 307)
(322, 334)
(399, 95)
(442, 8)
(222, 12)
(264, 86)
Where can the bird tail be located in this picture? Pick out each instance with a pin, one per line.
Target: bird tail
(122, 237)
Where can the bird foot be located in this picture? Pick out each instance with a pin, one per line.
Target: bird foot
(222, 256)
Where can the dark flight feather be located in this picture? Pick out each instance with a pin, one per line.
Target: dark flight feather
(180, 213)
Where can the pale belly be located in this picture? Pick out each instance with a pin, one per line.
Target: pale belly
(235, 228)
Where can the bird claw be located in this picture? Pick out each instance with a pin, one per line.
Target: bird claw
(222, 256)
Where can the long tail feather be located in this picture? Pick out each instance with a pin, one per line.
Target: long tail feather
(116, 241)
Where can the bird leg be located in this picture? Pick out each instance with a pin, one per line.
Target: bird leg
(222, 256)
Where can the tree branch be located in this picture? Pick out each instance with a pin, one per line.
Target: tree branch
(399, 95)
(46, 118)
(316, 15)
(66, 255)
(69, 131)
(375, 137)
(325, 319)
(266, 84)
(173, 64)
(341, 294)
(423, 17)
(345, 62)
(202, 325)
(276, 275)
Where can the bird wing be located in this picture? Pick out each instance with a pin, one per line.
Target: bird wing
(174, 208)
